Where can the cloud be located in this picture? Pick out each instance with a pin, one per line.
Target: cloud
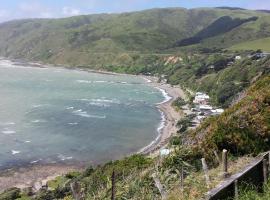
(68, 11)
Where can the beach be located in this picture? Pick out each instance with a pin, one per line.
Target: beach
(37, 175)
(34, 176)
(170, 115)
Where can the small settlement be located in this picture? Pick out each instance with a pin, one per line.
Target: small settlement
(203, 109)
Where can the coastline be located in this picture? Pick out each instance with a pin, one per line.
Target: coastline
(170, 115)
(36, 175)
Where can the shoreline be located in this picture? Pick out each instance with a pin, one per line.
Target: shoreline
(170, 115)
(38, 174)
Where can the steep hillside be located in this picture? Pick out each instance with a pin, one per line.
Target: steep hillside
(242, 129)
(118, 39)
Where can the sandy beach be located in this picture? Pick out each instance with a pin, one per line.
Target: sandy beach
(37, 175)
(170, 114)
(34, 176)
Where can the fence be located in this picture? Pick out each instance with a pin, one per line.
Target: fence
(254, 174)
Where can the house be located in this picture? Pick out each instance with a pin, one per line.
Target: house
(165, 152)
(238, 57)
(217, 111)
(201, 98)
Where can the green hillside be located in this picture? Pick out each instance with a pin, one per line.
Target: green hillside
(119, 39)
(263, 44)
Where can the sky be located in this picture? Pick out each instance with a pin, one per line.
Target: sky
(18, 9)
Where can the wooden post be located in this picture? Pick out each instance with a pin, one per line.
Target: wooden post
(268, 162)
(265, 171)
(113, 185)
(217, 157)
(182, 179)
(225, 163)
(76, 191)
(236, 192)
(205, 169)
(160, 187)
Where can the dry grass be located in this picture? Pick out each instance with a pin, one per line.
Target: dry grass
(195, 185)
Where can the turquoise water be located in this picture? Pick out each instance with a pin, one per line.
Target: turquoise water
(50, 115)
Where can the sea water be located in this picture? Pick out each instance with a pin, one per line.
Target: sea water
(51, 115)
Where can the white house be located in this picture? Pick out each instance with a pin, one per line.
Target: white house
(201, 98)
(238, 57)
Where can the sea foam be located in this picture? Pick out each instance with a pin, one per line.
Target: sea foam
(14, 152)
(165, 94)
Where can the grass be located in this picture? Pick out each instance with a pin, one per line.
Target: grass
(254, 195)
(263, 44)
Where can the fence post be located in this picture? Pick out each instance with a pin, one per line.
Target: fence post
(217, 157)
(76, 191)
(236, 193)
(113, 185)
(225, 163)
(265, 171)
(205, 169)
(268, 162)
(160, 187)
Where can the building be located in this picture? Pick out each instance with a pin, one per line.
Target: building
(238, 57)
(201, 98)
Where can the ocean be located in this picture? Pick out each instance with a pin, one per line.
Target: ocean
(52, 115)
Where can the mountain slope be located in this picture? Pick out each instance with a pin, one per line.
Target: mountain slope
(262, 44)
(242, 129)
(100, 39)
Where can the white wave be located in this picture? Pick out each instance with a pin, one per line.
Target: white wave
(27, 141)
(38, 121)
(162, 122)
(36, 106)
(103, 102)
(62, 157)
(70, 108)
(8, 132)
(84, 81)
(159, 130)
(8, 123)
(106, 100)
(14, 152)
(147, 80)
(83, 100)
(85, 114)
(98, 104)
(165, 94)
(35, 161)
(101, 81)
(39, 105)
(73, 123)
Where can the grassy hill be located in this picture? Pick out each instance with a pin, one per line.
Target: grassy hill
(119, 39)
(263, 44)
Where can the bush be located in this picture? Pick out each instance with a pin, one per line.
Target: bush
(10, 194)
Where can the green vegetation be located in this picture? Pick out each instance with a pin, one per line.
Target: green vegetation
(185, 122)
(145, 43)
(10, 194)
(242, 129)
(252, 194)
(122, 40)
(178, 103)
(262, 44)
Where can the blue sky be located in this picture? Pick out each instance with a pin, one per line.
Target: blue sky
(17, 9)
